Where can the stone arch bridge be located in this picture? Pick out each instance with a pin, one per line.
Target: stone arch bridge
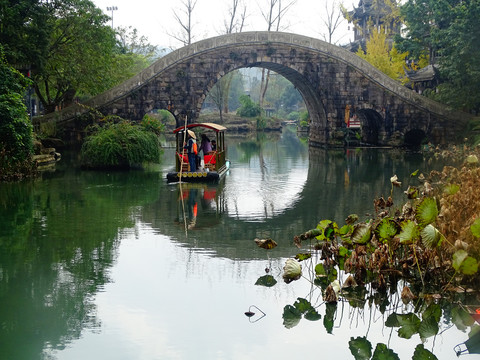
(335, 84)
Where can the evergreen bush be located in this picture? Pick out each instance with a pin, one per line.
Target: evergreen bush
(16, 131)
(120, 145)
(248, 107)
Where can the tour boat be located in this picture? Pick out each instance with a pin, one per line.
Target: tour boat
(213, 165)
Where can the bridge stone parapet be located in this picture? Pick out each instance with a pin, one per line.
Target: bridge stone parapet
(335, 84)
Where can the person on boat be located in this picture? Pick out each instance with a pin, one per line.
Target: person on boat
(192, 157)
(205, 145)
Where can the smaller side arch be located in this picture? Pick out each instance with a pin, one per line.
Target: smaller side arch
(414, 137)
(371, 123)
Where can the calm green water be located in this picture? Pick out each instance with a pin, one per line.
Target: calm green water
(116, 266)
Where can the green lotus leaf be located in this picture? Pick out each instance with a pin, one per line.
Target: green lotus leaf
(343, 251)
(320, 270)
(410, 323)
(360, 348)
(383, 353)
(451, 189)
(432, 311)
(409, 232)
(312, 315)
(475, 228)
(386, 229)
(469, 266)
(408, 319)
(407, 331)
(303, 256)
(427, 211)
(291, 316)
(428, 327)
(345, 229)
(328, 319)
(362, 233)
(423, 354)
(302, 305)
(392, 320)
(458, 257)
(431, 237)
(328, 229)
(461, 318)
(266, 280)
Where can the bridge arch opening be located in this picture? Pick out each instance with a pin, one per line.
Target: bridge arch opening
(282, 99)
(371, 125)
(414, 137)
(311, 97)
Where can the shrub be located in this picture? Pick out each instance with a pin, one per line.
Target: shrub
(152, 124)
(16, 132)
(294, 115)
(261, 123)
(120, 145)
(304, 116)
(303, 123)
(248, 107)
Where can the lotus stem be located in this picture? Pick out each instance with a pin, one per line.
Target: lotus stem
(418, 265)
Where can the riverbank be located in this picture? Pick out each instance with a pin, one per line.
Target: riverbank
(239, 124)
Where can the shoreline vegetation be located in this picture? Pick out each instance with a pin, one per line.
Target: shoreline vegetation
(431, 241)
(416, 262)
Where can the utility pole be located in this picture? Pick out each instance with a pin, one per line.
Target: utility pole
(112, 9)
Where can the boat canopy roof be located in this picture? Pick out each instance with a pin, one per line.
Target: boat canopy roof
(211, 126)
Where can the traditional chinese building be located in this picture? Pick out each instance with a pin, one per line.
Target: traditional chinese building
(371, 14)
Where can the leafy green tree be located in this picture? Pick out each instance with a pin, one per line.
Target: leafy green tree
(136, 47)
(447, 32)
(460, 59)
(425, 21)
(69, 48)
(248, 107)
(24, 32)
(236, 89)
(81, 54)
(16, 139)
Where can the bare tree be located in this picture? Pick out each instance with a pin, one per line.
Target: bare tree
(332, 19)
(233, 23)
(183, 17)
(273, 16)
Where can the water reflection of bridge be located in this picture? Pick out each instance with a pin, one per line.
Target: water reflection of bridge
(337, 184)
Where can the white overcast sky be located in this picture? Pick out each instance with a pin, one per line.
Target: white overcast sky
(154, 18)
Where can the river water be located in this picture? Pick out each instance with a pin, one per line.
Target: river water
(120, 265)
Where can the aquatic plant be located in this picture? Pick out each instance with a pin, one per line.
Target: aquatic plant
(150, 123)
(416, 262)
(428, 238)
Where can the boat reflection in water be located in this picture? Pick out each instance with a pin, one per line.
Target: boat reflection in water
(199, 205)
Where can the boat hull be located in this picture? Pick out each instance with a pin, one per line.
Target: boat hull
(196, 176)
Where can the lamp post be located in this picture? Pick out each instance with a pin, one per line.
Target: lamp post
(112, 9)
